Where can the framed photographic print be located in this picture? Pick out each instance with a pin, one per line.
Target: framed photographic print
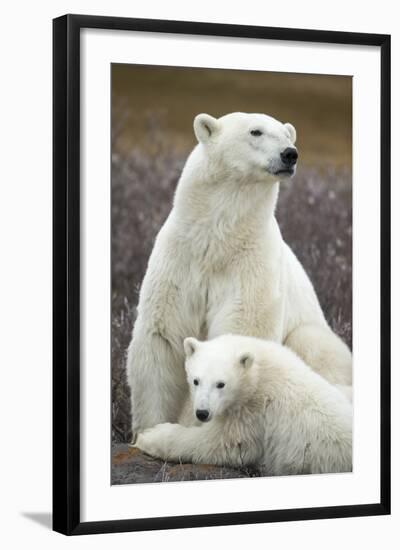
(221, 274)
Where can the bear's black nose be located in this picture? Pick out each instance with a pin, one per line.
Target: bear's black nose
(289, 156)
(202, 414)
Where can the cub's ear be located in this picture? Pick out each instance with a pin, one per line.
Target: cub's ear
(246, 360)
(205, 126)
(291, 130)
(190, 345)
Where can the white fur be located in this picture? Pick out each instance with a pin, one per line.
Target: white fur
(273, 410)
(219, 265)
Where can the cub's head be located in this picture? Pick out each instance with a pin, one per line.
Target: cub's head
(254, 147)
(216, 375)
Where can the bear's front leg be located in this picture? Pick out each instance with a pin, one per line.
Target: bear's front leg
(157, 381)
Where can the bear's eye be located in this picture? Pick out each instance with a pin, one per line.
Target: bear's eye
(256, 133)
(195, 382)
(220, 385)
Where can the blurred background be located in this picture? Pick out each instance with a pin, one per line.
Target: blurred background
(152, 133)
(319, 106)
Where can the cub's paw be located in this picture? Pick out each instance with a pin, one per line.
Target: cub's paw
(156, 441)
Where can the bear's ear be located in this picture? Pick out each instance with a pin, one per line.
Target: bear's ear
(205, 126)
(291, 130)
(190, 345)
(246, 360)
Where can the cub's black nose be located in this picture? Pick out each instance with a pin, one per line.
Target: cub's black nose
(202, 414)
(289, 156)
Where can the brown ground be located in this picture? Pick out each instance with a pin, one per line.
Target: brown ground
(129, 465)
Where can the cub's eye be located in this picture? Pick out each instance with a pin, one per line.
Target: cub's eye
(195, 382)
(256, 133)
(220, 385)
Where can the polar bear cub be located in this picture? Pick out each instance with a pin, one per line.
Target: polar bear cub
(255, 402)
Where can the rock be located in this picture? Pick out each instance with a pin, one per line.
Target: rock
(129, 465)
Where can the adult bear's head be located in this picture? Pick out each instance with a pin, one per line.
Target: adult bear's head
(248, 147)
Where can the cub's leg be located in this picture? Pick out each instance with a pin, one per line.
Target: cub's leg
(323, 351)
(204, 444)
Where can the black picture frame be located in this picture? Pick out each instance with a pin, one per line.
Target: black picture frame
(66, 273)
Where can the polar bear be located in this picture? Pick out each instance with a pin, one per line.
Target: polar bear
(220, 265)
(256, 403)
